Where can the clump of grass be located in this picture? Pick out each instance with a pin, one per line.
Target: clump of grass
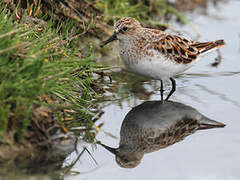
(149, 12)
(94, 17)
(45, 81)
(116, 9)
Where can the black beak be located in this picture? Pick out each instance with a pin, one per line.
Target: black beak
(110, 39)
(112, 150)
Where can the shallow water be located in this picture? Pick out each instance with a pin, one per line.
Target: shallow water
(211, 154)
(214, 91)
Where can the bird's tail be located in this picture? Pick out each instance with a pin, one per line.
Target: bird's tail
(206, 123)
(206, 47)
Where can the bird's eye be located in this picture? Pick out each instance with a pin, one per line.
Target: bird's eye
(125, 160)
(124, 28)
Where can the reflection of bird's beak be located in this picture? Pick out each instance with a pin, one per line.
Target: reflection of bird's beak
(112, 150)
(110, 39)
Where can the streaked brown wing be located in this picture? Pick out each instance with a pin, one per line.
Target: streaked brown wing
(176, 48)
(181, 50)
(177, 132)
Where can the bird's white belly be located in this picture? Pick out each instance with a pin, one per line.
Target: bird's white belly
(156, 67)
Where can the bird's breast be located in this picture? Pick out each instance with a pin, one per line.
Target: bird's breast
(150, 64)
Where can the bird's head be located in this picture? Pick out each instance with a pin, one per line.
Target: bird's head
(124, 156)
(129, 160)
(124, 29)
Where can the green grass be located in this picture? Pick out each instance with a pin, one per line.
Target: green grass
(38, 66)
(144, 10)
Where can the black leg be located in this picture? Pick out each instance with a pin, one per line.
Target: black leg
(161, 90)
(173, 88)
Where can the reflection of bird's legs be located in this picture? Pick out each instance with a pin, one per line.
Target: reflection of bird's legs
(161, 90)
(173, 88)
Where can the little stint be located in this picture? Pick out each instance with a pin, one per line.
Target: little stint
(156, 54)
(154, 125)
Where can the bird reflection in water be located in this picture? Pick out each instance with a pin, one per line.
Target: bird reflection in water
(154, 125)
